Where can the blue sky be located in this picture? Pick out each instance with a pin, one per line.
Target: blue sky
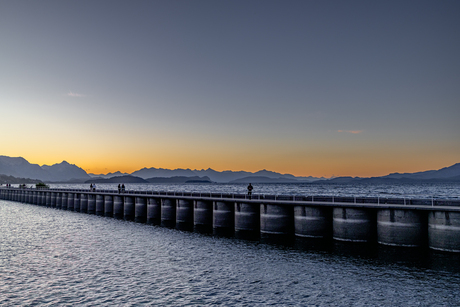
(320, 88)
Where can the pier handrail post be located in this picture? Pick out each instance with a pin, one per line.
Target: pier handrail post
(378, 200)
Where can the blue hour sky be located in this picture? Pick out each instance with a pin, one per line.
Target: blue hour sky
(321, 88)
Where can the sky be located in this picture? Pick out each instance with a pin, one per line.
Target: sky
(309, 88)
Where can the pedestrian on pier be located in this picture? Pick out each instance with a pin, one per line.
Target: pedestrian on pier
(250, 191)
(123, 187)
(119, 189)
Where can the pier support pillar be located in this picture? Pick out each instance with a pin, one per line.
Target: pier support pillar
(202, 218)
(84, 203)
(153, 211)
(276, 221)
(313, 222)
(444, 231)
(118, 207)
(99, 204)
(140, 211)
(128, 208)
(353, 224)
(168, 212)
(184, 214)
(398, 227)
(247, 221)
(223, 218)
(91, 203)
(108, 205)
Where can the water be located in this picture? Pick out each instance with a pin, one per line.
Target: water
(52, 257)
(425, 190)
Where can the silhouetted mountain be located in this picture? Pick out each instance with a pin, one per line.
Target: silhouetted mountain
(109, 175)
(446, 172)
(20, 167)
(161, 172)
(180, 179)
(263, 179)
(118, 179)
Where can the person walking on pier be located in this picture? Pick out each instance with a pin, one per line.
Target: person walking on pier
(119, 189)
(250, 191)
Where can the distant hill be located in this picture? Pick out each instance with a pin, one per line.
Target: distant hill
(180, 179)
(443, 173)
(4, 179)
(20, 167)
(118, 179)
(263, 179)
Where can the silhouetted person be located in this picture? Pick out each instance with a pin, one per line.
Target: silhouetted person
(123, 187)
(250, 190)
(119, 189)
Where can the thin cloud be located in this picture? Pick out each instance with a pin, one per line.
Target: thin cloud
(72, 94)
(351, 131)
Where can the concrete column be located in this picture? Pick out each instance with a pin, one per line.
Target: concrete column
(84, 203)
(247, 221)
(108, 205)
(76, 202)
(140, 210)
(184, 214)
(276, 221)
(58, 200)
(64, 201)
(70, 201)
(128, 208)
(444, 231)
(153, 211)
(202, 216)
(53, 199)
(168, 212)
(401, 227)
(47, 199)
(353, 224)
(91, 204)
(313, 222)
(223, 218)
(118, 207)
(99, 204)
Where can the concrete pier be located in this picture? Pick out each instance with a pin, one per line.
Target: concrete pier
(70, 201)
(313, 222)
(128, 209)
(140, 210)
(444, 231)
(91, 204)
(108, 205)
(100, 204)
(433, 224)
(247, 221)
(401, 227)
(184, 215)
(153, 211)
(76, 202)
(168, 212)
(276, 221)
(118, 207)
(353, 224)
(202, 218)
(84, 203)
(223, 218)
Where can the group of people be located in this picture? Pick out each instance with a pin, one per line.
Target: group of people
(121, 189)
(92, 187)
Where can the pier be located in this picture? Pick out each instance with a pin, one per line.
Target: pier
(430, 223)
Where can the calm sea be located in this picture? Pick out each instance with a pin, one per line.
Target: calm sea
(51, 257)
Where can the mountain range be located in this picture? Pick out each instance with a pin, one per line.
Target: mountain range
(19, 167)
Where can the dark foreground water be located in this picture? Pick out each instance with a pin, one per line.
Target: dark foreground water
(51, 257)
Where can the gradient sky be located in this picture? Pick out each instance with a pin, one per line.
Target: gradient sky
(320, 88)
